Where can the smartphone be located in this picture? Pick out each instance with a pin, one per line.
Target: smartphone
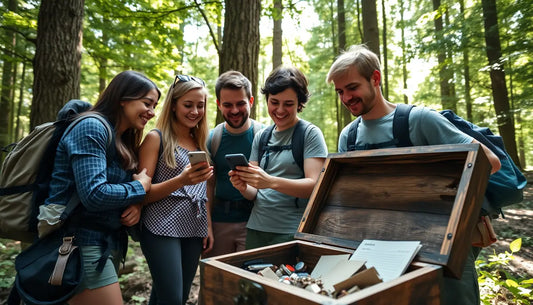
(198, 156)
(236, 160)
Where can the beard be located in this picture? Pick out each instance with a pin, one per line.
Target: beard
(366, 102)
(229, 121)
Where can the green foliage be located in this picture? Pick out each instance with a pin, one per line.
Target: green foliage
(161, 38)
(495, 279)
(8, 252)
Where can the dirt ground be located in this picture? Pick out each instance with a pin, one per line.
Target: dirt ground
(136, 282)
(517, 223)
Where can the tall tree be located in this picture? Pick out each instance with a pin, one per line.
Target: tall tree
(57, 58)
(341, 26)
(8, 82)
(466, 62)
(240, 42)
(450, 71)
(17, 130)
(277, 38)
(385, 83)
(370, 25)
(404, 53)
(444, 72)
(497, 77)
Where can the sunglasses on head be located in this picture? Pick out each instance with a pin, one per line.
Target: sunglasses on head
(187, 78)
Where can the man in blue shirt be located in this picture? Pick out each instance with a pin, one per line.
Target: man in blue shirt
(356, 75)
(229, 210)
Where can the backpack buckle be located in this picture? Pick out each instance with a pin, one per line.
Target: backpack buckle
(66, 247)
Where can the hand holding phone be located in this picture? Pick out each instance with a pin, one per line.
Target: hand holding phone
(236, 160)
(197, 157)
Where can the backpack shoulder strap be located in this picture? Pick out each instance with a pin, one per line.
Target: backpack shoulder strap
(98, 117)
(352, 134)
(160, 142)
(263, 142)
(400, 125)
(256, 126)
(298, 137)
(74, 200)
(215, 139)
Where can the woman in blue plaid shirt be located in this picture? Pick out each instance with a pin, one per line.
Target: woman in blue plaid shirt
(103, 181)
(175, 228)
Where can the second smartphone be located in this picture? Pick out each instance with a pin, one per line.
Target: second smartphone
(236, 160)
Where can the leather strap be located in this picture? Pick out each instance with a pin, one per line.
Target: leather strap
(65, 251)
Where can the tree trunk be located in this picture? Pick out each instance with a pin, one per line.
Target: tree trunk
(18, 129)
(521, 144)
(385, 84)
(240, 43)
(444, 79)
(8, 83)
(277, 38)
(346, 116)
(450, 75)
(404, 55)
(370, 25)
(57, 58)
(359, 25)
(497, 77)
(466, 62)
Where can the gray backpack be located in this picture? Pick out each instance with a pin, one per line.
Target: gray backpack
(27, 170)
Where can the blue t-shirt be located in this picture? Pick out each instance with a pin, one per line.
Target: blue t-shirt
(426, 127)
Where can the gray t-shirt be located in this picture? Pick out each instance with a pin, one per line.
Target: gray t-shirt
(426, 127)
(273, 211)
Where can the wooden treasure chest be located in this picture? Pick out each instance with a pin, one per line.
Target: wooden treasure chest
(431, 194)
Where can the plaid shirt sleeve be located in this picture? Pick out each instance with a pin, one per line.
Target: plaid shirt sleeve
(101, 185)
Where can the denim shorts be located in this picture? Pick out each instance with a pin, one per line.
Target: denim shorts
(93, 279)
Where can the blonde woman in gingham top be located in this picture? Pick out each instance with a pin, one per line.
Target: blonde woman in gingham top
(175, 222)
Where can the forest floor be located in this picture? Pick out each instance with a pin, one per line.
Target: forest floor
(136, 283)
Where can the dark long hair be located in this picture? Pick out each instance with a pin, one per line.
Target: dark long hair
(125, 86)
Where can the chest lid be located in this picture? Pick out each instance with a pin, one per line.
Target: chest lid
(431, 194)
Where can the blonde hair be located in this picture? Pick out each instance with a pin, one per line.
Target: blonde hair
(167, 119)
(357, 56)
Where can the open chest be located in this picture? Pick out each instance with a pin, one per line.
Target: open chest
(431, 194)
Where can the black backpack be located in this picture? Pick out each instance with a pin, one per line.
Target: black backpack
(296, 146)
(505, 186)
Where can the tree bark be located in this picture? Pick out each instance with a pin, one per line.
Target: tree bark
(404, 54)
(8, 83)
(346, 116)
(444, 79)
(370, 25)
(385, 83)
(277, 38)
(240, 42)
(18, 128)
(466, 62)
(450, 73)
(57, 58)
(497, 77)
